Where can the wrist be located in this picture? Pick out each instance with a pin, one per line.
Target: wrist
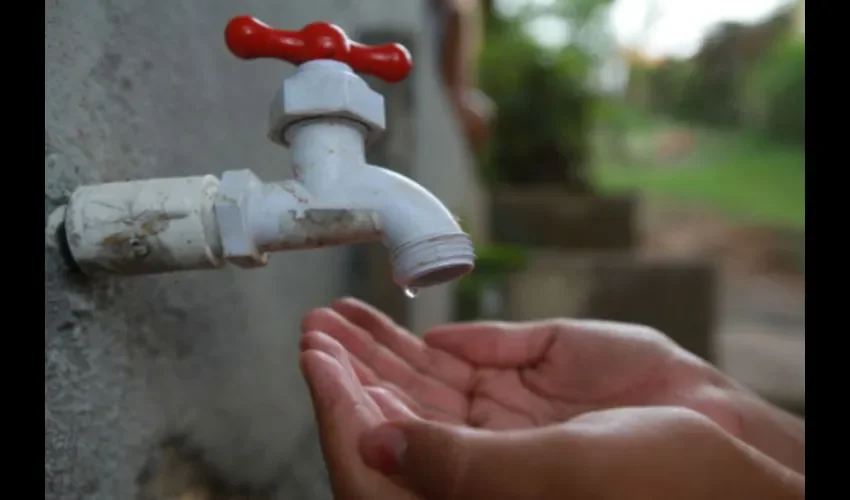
(742, 413)
(760, 424)
(773, 431)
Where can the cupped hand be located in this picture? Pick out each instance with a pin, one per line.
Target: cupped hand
(376, 448)
(503, 376)
(344, 412)
(624, 454)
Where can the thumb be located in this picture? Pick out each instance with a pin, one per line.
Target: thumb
(444, 462)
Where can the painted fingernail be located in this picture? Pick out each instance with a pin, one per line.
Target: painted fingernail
(383, 449)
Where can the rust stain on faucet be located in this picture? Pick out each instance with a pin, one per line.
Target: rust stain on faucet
(138, 240)
(319, 227)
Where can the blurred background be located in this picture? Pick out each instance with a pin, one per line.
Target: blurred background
(652, 152)
(631, 160)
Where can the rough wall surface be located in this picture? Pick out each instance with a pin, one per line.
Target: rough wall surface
(139, 89)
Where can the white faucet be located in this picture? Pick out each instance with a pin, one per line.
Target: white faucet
(325, 114)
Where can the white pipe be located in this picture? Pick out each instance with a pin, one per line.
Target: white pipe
(144, 227)
(364, 201)
(427, 245)
(324, 149)
(286, 217)
(163, 225)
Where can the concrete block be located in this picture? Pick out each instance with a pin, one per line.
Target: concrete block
(554, 219)
(678, 298)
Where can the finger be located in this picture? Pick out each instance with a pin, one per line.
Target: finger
(391, 406)
(327, 344)
(494, 344)
(402, 396)
(341, 415)
(438, 364)
(386, 365)
(339, 410)
(364, 374)
(424, 409)
(331, 387)
(383, 329)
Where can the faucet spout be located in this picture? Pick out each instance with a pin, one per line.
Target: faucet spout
(284, 216)
(426, 244)
(323, 149)
(336, 198)
(326, 115)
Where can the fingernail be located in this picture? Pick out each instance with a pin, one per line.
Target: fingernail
(383, 449)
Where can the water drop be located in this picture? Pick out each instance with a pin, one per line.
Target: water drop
(410, 293)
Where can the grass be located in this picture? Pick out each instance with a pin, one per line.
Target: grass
(743, 177)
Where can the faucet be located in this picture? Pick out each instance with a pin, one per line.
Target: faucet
(325, 114)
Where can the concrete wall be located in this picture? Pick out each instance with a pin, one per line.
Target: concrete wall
(137, 89)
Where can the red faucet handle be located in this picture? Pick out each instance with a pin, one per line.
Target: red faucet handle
(249, 38)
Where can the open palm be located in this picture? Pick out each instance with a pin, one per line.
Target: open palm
(503, 376)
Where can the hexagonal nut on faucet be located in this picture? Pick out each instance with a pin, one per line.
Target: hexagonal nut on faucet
(232, 204)
(325, 88)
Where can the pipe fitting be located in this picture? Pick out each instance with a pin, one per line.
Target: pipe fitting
(326, 88)
(432, 261)
(144, 227)
(232, 204)
(326, 114)
(255, 218)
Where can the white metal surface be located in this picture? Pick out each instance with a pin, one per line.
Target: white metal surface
(336, 198)
(422, 234)
(325, 88)
(144, 227)
(163, 225)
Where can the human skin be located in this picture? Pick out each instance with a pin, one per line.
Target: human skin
(511, 376)
(376, 447)
(462, 36)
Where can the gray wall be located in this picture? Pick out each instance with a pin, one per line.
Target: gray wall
(137, 89)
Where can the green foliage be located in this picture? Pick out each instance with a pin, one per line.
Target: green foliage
(494, 263)
(578, 13)
(713, 89)
(543, 102)
(731, 85)
(692, 90)
(775, 93)
(676, 90)
(742, 176)
(492, 260)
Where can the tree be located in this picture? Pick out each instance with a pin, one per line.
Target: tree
(544, 100)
